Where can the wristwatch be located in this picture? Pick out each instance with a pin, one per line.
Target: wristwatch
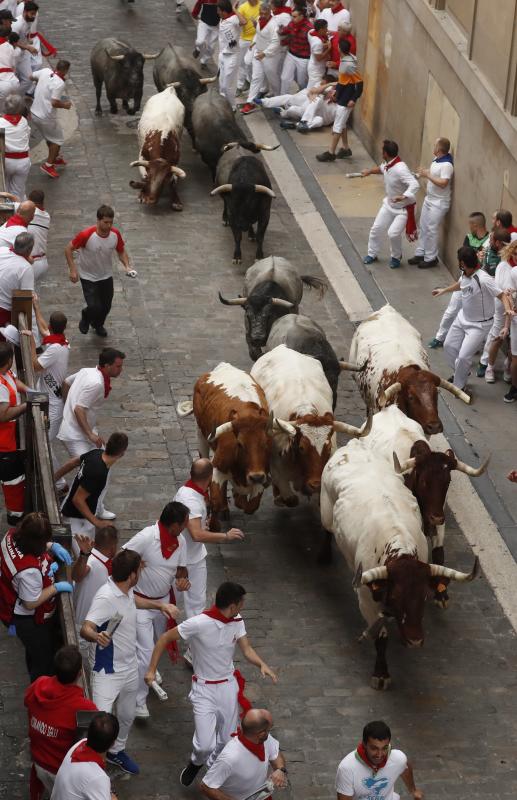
(84, 555)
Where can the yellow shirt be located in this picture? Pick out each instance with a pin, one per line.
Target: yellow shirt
(250, 13)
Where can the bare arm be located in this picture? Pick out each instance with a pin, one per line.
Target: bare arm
(72, 266)
(45, 595)
(40, 320)
(81, 569)
(79, 501)
(67, 467)
(167, 609)
(454, 287)
(159, 649)
(214, 794)
(199, 534)
(8, 413)
(250, 655)
(371, 171)
(423, 172)
(61, 103)
(344, 796)
(408, 778)
(279, 774)
(91, 634)
(124, 260)
(82, 419)
(34, 356)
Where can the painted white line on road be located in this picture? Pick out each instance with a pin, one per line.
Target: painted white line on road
(471, 515)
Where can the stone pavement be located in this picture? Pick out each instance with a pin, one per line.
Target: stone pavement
(452, 705)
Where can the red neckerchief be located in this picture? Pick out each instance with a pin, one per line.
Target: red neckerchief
(214, 613)
(3, 40)
(55, 338)
(16, 220)
(168, 542)
(59, 75)
(107, 382)
(363, 756)
(392, 163)
(191, 485)
(106, 563)
(263, 22)
(258, 750)
(322, 36)
(83, 753)
(512, 262)
(12, 118)
(282, 10)
(338, 7)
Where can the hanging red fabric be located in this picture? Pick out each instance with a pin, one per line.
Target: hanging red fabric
(50, 51)
(107, 382)
(243, 701)
(172, 648)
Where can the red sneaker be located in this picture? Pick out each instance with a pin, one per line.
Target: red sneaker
(49, 170)
(248, 108)
(60, 162)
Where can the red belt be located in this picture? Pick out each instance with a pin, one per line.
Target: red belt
(17, 155)
(196, 679)
(6, 69)
(139, 594)
(42, 255)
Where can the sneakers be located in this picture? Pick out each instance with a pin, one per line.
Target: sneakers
(84, 325)
(326, 156)
(489, 374)
(370, 259)
(123, 762)
(344, 152)
(105, 514)
(258, 101)
(196, 51)
(511, 395)
(481, 370)
(415, 260)
(188, 774)
(428, 264)
(302, 127)
(101, 331)
(288, 125)
(49, 170)
(434, 343)
(142, 712)
(60, 162)
(248, 108)
(395, 263)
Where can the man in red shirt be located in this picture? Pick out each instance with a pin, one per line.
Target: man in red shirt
(96, 246)
(52, 704)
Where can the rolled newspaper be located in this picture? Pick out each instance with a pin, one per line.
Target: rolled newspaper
(112, 625)
(160, 694)
(354, 175)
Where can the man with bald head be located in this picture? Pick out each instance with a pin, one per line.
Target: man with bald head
(249, 760)
(194, 495)
(17, 223)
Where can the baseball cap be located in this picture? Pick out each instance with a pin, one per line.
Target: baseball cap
(11, 334)
(7, 15)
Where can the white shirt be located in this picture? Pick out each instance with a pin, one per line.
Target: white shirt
(355, 779)
(7, 55)
(39, 229)
(120, 654)
(54, 361)
(341, 17)
(9, 5)
(28, 585)
(477, 296)
(266, 39)
(440, 170)
(8, 234)
(95, 253)
(229, 31)
(85, 590)
(49, 87)
(84, 780)
(158, 573)
(237, 772)
(16, 136)
(86, 390)
(4, 392)
(316, 68)
(15, 273)
(212, 644)
(196, 505)
(399, 180)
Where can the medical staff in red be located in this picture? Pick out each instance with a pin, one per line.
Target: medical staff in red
(12, 467)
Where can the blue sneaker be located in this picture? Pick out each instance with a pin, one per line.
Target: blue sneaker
(434, 343)
(258, 101)
(276, 110)
(369, 259)
(123, 762)
(395, 263)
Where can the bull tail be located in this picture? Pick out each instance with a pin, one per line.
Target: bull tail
(315, 283)
(184, 408)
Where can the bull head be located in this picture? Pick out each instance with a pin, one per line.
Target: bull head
(409, 464)
(436, 570)
(225, 188)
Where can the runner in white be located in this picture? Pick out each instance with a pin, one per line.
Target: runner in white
(39, 227)
(48, 97)
(372, 770)
(8, 55)
(320, 52)
(229, 34)
(26, 14)
(212, 637)
(17, 134)
(164, 555)
(248, 761)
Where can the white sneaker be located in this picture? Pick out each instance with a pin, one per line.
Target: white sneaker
(105, 514)
(489, 374)
(158, 678)
(507, 376)
(142, 712)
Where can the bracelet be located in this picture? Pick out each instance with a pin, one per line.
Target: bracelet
(84, 555)
(283, 769)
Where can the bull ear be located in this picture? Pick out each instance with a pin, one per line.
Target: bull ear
(452, 458)
(419, 449)
(378, 590)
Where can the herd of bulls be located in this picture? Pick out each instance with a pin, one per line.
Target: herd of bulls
(382, 496)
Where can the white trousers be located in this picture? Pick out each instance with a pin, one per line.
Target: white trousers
(244, 73)
(47, 778)
(55, 416)
(8, 86)
(76, 447)
(87, 650)
(206, 38)
(24, 72)
(272, 69)
(216, 713)
(449, 315)
(258, 81)
(431, 216)
(495, 330)
(341, 117)
(120, 688)
(228, 70)
(40, 268)
(294, 69)
(462, 342)
(392, 220)
(150, 624)
(16, 174)
(292, 105)
(315, 73)
(319, 113)
(194, 600)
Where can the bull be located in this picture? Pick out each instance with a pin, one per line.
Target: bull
(120, 67)
(300, 399)
(302, 334)
(376, 523)
(173, 67)
(397, 369)
(233, 420)
(159, 135)
(272, 288)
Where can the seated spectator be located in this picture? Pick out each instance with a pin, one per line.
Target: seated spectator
(306, 110)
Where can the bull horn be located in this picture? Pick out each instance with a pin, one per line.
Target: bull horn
(139, 164)
(236, 301)
(264, 190)
(406, 465)
(438, 571)
(204, 81)
(229, 146)
(450, 387)
(173, 85)
(375, 574)
(284, 426)
(184, 408)
(222, 189)
(351, 430)
(150, 56)
(226, 427)
(115, 58)
(474, 472)
(347, 365)
(277, 301)
(179, 172)
(267, 146)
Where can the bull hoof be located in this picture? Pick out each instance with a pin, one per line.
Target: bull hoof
(251, 237)
(236, 260)
(225, 223)
(441, 599)
(380, 682)
(98, 112)
(177, 207)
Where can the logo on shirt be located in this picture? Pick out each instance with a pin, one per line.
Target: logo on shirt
(375, 787)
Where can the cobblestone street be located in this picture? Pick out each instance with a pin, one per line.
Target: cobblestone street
(452, 706)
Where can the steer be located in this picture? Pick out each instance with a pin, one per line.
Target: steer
(233, 420)
(121, 68)
(376, 523)
(272, 288)
(397, 369)
(159, 135)
(300, 399)
(302, 334)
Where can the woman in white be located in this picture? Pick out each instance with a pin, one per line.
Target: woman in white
(17, 154)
